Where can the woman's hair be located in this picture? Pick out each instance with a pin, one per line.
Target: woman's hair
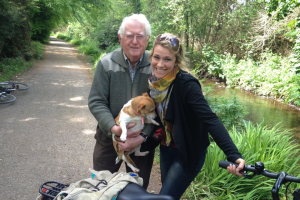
(135, 17)
(171, 42)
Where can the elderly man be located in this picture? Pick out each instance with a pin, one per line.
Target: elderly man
(120, 76)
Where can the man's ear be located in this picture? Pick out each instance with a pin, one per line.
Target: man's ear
(120, 39)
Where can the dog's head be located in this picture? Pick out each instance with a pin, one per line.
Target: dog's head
(143, 104)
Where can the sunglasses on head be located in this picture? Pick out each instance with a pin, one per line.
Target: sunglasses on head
(173, 40)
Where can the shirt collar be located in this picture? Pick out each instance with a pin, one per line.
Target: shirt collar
(128, 62)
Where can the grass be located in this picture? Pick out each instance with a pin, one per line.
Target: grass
(12, 66)
(272, 146)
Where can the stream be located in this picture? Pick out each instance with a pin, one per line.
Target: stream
(260, 108)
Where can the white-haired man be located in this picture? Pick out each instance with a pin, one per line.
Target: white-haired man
(120, 76)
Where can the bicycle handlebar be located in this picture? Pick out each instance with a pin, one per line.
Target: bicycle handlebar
(259, 169)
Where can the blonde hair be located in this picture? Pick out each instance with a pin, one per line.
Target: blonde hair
(181, 59)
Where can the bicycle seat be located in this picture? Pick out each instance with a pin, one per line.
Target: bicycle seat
(136, 192)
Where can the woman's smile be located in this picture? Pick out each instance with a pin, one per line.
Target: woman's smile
(163, 61)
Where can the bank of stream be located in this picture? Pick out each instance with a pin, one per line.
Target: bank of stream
(260, 108)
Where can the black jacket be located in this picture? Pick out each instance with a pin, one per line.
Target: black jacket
(192, 120)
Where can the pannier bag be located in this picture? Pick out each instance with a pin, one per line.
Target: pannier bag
(103, 185)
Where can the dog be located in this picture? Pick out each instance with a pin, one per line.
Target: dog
(139, 110)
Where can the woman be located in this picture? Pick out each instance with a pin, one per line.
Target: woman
(186, 117)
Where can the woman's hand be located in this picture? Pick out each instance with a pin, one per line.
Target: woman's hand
(237, 170)
(130, 144)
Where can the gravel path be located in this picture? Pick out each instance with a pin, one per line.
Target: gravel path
(47, 133)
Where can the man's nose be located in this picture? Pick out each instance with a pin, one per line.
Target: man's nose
(134, 39)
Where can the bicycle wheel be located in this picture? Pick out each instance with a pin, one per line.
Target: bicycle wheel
(7, 98)
(21, 86)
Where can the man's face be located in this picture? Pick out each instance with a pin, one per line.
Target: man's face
(134, 41)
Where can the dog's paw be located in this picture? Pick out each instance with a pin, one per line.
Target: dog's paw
(118, 160)
(136, 170)
(138, 153)
(123, 138)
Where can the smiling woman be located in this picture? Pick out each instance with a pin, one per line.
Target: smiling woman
(186, 119)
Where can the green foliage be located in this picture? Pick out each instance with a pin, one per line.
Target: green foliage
(43, 21)
(14, 29)
(89, 50)
(76, 41)
(63, 37)
(35, 51)
(295, 56)
(272, 76)
(212, 61)
(272, 146)
(11, 66)
(282, 7)
(230, 110)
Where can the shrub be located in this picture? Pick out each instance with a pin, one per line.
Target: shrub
(35, 51)
(63, 37)
(230, 110)
(76, 41)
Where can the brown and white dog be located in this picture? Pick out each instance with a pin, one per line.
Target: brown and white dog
(139, 110)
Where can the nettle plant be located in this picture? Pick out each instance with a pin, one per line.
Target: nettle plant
(294, 90)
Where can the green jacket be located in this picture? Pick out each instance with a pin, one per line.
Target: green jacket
(112, 88)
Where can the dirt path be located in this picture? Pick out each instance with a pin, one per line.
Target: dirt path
(47, 133)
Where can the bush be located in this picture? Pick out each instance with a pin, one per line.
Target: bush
(76, 41)
(35, 51)
(38, 50)
(230, 110)
(272, 76)
(63, 37)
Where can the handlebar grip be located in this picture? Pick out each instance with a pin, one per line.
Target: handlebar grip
(225, 164)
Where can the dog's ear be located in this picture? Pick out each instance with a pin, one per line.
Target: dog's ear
(145, 94)
(140, 107)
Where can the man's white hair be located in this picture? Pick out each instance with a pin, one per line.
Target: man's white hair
(135, 17)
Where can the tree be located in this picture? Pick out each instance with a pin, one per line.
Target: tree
(281, 7)
(14, 28)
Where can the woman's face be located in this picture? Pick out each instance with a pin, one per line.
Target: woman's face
(163, 61)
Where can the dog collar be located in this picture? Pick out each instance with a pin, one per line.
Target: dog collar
(138, 114)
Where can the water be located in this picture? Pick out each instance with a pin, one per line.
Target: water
(259, 109)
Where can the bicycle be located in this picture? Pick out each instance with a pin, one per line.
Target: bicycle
(259, 169)
(8, 87)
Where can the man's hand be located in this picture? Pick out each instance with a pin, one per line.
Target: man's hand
(118, 131)
(131, 143)
(237, 170)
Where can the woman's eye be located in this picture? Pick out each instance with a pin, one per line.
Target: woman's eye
(156, 57)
